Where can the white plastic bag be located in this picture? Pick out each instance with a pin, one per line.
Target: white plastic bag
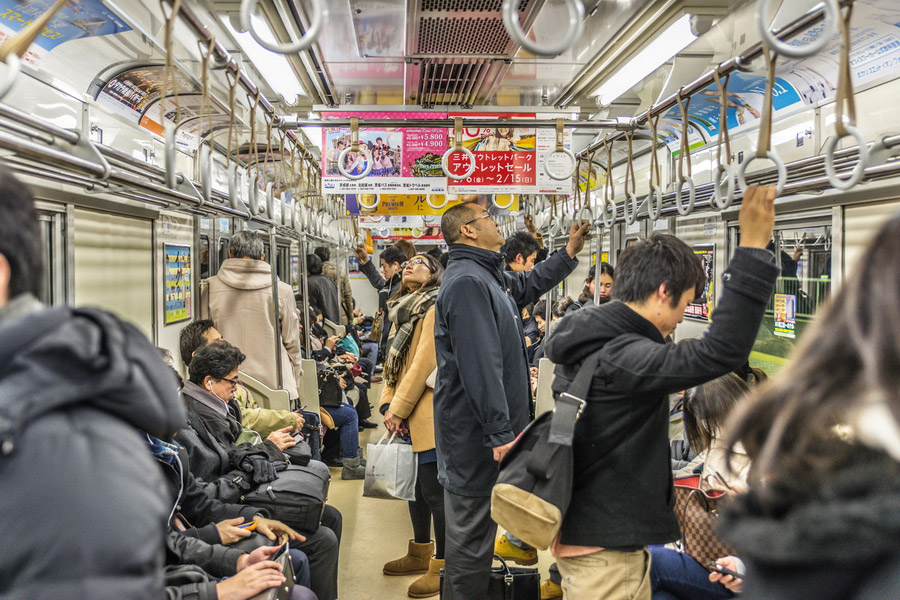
(391, 470)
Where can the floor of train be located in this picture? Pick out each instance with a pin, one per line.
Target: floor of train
(376, 531)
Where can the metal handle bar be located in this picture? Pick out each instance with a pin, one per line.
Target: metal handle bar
(205, 158)
(317, 19)
(576, 23)
(169, 130)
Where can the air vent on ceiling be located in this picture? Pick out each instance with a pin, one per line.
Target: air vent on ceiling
(466, 5)
(451, 81)
(464, 27)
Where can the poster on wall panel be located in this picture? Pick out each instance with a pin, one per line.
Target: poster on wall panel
(404, 160)
(75, 20)
(785, 316)
(703, 306)
(178, 282)
(398, 204)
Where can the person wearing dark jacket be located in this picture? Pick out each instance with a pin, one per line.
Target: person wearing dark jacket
(821, 520)
(210, 444)
(81, 511)
(482, 397)
(387, 282)
(323, 292)
(622, 497)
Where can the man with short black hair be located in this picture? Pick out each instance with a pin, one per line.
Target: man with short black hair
(81, 511)
(330, 270)
(482, 397)
(387, 283)
(323, 293)
(622, 498)
(519, 251)
(239, 299)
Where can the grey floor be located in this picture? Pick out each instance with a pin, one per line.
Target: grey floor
(376, 531)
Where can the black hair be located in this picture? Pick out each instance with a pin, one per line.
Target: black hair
(540, 309)
(313, 264)
(193, 337)
(707, 407)
(529, 308)
(560, 307)
(445, 258)
(392, 254)
(407, 247)
(453, 219)
(215, 360)
(323, 252)
(662, 259)
(542, 255)
(605, 267)
(518, 243)
(20, 237)
(436, 252)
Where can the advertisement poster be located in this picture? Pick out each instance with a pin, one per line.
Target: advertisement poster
(177, 282)
(505, 161)
(77, 19)
(786, 316)
(405, 160)
(703, 306)
(398, 204)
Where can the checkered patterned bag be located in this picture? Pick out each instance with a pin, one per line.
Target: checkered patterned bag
(697, 511)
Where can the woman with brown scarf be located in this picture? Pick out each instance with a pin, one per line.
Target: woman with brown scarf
(406, 403)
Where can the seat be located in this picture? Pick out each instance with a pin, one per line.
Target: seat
(308, 386)
(332, 328)
(544, 397)
(265, 396)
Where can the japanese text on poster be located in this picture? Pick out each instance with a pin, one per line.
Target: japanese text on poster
(786, 315)
(177, 261)
(702, 307)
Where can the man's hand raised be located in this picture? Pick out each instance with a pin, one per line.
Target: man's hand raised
(757, 216)
(576, 238)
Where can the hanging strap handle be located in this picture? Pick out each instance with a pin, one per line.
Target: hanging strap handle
(19, 43)
(684, 157)
(764, 143)
(724, 134)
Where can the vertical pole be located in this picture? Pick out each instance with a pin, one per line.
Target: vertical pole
(304, 287)
(273, 253)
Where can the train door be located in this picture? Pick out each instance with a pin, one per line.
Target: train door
(803, 249)
(54, 232)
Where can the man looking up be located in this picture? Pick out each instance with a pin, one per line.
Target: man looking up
(482, 397)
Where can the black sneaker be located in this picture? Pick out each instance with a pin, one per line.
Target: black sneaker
(367, 424)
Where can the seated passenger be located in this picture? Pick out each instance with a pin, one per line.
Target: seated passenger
(822, 517)
(674, 575)
(228, 470)
(621, 448)
(80, 510)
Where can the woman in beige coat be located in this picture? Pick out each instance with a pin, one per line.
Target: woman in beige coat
(406, 402)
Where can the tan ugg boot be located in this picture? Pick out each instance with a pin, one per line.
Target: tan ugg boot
(415, 561)
(428, 584)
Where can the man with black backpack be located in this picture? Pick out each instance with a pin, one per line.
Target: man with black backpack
(622, 496)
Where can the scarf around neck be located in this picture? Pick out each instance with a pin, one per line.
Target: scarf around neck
(404, 313)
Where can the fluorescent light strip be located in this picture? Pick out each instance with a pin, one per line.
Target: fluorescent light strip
(670, 42)
(274, 67)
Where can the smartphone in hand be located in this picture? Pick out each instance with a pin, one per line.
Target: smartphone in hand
(714, 566)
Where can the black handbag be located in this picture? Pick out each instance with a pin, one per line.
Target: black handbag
(312, 433)
(330, 393)
(296, 497)
(510, 583)
(300, 453)
(534, 487)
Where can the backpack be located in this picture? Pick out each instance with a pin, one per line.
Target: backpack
(296, 497)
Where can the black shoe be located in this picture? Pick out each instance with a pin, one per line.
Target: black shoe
(367, 424)
(378, 368)
(334, 462)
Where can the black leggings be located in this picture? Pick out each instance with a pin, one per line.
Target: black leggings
(428, 507)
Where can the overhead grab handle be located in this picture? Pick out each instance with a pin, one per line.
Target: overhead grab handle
(764, 144)
(511, 23)
(771, 41)
(458, 147)
(16, 46)
(608, 214)
(362, 204)
(437, 206)
(630, 183)
(550, 162)
(654, 198)
(355, 147)
(845, 106)
(317, 20)
(722, 200)
(684, 157)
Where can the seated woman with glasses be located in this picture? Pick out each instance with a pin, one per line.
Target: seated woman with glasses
(406, 403)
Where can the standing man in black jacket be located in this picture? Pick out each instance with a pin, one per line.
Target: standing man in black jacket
(387, 282)
(482, 397)
(622, 497)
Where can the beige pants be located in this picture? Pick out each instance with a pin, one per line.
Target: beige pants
(606, 575)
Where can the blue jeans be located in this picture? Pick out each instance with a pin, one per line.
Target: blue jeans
(676, 576)
(370, 352)
(347, 424)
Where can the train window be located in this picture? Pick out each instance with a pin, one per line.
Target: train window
(283, 264)
(54, 242)
(804, 255)
(204, 257)
(223, 250)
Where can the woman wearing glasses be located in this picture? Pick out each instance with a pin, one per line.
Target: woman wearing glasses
(406, 403)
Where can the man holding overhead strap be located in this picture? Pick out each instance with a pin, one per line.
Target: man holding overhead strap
(622, 497)
(482, 398)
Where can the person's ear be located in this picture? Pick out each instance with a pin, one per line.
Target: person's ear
(230, 254)
(262, 256)
(5, 276)
(469, 232)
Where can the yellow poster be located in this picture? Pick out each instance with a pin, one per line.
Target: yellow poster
(412, 204)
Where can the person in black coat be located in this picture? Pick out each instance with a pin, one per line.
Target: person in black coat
(622, 497)
(482, 396)
(387, 282)
(323, 293)
(81, 512)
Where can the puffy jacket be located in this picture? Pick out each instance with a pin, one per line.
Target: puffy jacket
(239, 300)
(482, 396)
(623, 495)
(83, 507)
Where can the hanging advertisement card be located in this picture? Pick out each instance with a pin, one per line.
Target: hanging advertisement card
(505, 161)
(785, 316)
(178, 282)
(703, 306)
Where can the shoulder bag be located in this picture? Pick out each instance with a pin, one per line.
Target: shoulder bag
(697, 511)
(296, 497)
(534, 487)
(510, 583)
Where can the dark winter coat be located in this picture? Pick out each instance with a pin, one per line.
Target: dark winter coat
(323, 294)
(840, 540)
(194, 567)
(482, 397)
(623, 496)
(386, 289)
(83, 506)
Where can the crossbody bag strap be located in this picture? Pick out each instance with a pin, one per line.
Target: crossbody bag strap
(571, 403)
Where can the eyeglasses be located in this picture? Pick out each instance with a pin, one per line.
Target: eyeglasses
(234, 382)
(484, 216)
(416, 261)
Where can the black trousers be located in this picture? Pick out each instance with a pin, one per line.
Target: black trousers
(323, 549)
(470, 546)
(428, 507)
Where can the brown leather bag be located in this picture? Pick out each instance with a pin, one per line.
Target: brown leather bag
(377, 326)
(697, 511)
